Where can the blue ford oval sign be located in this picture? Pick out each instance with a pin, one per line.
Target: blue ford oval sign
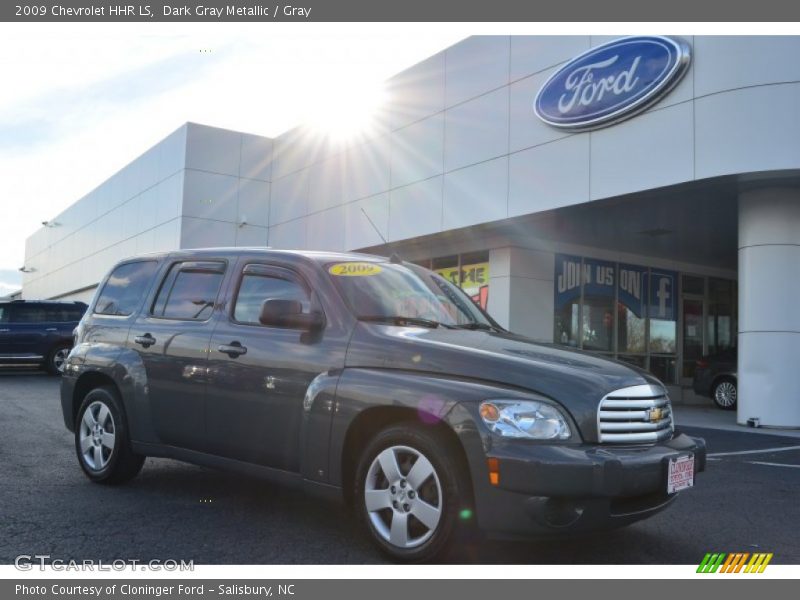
(611, 82)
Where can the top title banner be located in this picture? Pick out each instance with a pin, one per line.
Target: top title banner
(401, 11)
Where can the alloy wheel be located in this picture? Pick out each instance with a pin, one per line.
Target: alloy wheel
(97, 436)
(60, 359)
(725, 394)
(403, 496)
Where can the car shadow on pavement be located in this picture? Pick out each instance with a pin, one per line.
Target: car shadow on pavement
(263, 517)
(19, 372)
(630, 545)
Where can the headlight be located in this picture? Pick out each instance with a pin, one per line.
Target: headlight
(527, 419)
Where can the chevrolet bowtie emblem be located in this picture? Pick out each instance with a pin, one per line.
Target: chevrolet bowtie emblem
(654, 415)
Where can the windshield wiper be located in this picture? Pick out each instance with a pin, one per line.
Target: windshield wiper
(399, 320)
(475, 325)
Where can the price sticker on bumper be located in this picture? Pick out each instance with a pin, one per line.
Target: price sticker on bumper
(681, 474)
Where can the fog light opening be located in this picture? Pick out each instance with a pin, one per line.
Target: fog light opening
(554, 512)
(562, 513)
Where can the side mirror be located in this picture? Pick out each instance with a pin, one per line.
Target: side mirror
(289, 314)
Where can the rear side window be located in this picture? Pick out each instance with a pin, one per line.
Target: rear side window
(125, 287)
(75, 313)
(257, 287)
(56, 313)
(31, 313)
(4, 311)
(189, 291)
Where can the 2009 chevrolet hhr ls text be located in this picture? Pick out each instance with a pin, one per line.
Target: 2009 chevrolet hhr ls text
(372, 379)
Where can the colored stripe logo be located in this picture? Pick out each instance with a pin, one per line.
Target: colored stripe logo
(735, 562)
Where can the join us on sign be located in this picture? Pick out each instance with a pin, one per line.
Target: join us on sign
(630, 280)
(637, 286)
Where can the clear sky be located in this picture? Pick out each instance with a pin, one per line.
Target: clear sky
(78, 102)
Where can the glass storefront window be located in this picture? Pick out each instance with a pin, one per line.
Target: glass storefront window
(566, 332)
(692, 334)
(662, 309)
(629, 312)
(598, 306)
(475, 277)
(693, 285)
(662, 336)
(631, 305)
(663, 367)
(721, 324)
(630, 330)
(567, 300)
(468, 271)
(446, 262)
(598, 324)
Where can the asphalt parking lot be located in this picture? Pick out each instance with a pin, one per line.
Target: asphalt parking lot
(743, 502)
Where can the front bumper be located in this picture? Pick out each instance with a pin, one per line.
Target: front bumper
(67, 393)
(553, 489)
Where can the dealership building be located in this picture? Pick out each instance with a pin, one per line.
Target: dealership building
(637, 197)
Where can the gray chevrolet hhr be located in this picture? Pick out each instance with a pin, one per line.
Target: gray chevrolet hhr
(372, 380)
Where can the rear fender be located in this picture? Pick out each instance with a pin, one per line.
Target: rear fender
(97, 364)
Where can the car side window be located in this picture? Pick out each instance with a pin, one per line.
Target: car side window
(75, 313)
(258, 286)
(4, 314)
(55, 313)
(63, 313)
(189, 291)
(125, 287)
(28, 314)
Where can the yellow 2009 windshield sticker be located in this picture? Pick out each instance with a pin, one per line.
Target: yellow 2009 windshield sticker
(354, 269)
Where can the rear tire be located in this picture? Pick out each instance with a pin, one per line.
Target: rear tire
(102, 442)
(57, 359)
(724, 393)
(409, 490)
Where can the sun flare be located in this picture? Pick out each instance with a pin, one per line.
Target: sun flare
(348, 113)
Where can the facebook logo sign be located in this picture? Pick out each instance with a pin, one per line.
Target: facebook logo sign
(663, 295)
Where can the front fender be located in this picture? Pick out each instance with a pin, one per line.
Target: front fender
(433, 397)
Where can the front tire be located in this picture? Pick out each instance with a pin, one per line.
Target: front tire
(724, 393)
(102, 442)
(408, 489)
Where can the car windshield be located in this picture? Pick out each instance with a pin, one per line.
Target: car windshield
(395, 292)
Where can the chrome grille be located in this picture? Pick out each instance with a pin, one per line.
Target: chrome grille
(635, 415)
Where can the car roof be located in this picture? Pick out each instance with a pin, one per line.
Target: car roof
(60, 302)
(261, 251)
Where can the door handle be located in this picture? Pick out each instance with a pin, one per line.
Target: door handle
(52, 329)
(4, 330)
(145, 340)
(233, 349)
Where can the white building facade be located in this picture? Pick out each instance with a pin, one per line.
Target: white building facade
(666, 234)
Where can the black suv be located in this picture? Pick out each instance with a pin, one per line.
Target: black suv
(38, 332)
(373, 380)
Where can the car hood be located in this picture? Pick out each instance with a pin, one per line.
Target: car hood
(577, 380)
